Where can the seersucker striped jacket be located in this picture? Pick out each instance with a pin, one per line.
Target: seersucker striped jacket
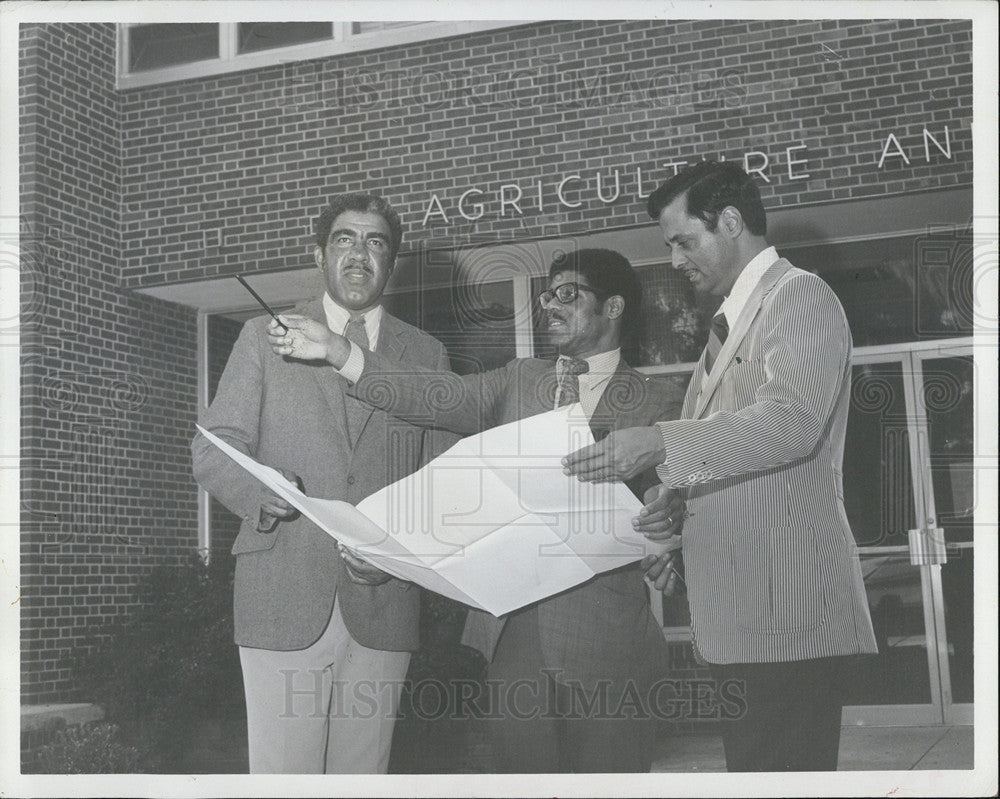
(772, 568)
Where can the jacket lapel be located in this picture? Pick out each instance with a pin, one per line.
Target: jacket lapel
(710, 382)
(613, 413)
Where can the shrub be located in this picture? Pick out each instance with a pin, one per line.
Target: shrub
(172, 662)
(92, 749)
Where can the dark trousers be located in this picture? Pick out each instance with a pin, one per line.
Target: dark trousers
(792, 716)
(543, 725)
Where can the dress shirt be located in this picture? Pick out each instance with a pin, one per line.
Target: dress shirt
(337, 318)
(594, 380)
(745, 283)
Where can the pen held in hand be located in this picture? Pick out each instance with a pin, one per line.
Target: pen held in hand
(263, 304)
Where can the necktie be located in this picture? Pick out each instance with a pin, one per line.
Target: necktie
(570, 370)
(355, 331)
(716, 338)
(357, 411)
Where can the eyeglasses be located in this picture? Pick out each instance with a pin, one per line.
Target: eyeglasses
(565, 293)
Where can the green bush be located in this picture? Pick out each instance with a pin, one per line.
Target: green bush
(172, 662)
(93, 749)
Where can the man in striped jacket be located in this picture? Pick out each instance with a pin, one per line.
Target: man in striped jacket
(774, 582)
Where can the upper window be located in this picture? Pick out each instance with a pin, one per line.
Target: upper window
(165, 52)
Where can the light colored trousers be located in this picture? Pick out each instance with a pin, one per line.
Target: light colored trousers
(326, 709)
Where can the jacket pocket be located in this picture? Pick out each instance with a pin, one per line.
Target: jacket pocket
(738, 385)
(249, 540)
(777, 581)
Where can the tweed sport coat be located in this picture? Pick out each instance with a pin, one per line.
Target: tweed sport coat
(603, 628)
(771, 565)
(296, 415)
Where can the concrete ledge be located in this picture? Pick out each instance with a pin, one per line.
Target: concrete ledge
(44, 717)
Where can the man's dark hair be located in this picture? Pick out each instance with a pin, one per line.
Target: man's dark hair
(712, 186)
(365, 204)
(609, 273)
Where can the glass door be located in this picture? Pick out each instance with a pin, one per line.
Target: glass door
(945, 378)
(881, 496)
(908, 494)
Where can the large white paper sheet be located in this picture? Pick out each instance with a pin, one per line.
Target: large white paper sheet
(493, 522)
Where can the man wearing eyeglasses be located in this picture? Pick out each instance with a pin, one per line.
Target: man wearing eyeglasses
(574, 671)
(324, 644)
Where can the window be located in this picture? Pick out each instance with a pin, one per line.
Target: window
(163, 52)
(157, 46)
(256, 36)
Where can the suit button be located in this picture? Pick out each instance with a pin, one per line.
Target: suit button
(350, 480)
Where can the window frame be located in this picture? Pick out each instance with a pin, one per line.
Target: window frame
(343, 41)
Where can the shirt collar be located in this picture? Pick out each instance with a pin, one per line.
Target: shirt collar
(745, 283)
(337, 316)
(601, 367)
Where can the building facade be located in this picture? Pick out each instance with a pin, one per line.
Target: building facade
(142, 196)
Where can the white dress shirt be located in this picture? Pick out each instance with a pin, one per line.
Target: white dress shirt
(595, 379)
(337, 318)
(745, 283)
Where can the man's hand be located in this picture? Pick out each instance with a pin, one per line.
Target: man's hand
(361, 571)
(621, 455)
(273, 508)
(662, 570)
(663, 514)
(307, 340)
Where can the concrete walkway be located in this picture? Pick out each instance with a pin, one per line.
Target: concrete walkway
(861, 749)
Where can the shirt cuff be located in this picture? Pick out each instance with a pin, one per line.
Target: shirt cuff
(355, 364)
(663, 470)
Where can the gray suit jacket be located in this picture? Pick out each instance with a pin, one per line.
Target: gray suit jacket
(603, 628)
(772, 568)
(295, 415)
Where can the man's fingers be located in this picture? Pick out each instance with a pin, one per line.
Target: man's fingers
(290, 320)
(277, 508)
(585, 457)
(647, 562)
(292, 478)
(666, 582)
(652, 565)
(361, 571)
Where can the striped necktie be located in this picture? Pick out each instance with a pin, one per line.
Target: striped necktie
(716, 338)
(569, 371)
(356, 332)
(357, 411)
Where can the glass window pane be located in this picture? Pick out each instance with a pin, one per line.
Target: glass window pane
(947, 397)
(956, 588)
(369, 27)
(169, 44)
(899, 673)
(674, 320)
(878, 481)
(905, 288)
(475, 322)
(255, 36)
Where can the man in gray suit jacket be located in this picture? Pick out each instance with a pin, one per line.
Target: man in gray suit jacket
(774, 582)
(571, 675)
(323, 638)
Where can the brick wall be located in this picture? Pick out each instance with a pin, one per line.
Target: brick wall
(224, 173)
(108, 376)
